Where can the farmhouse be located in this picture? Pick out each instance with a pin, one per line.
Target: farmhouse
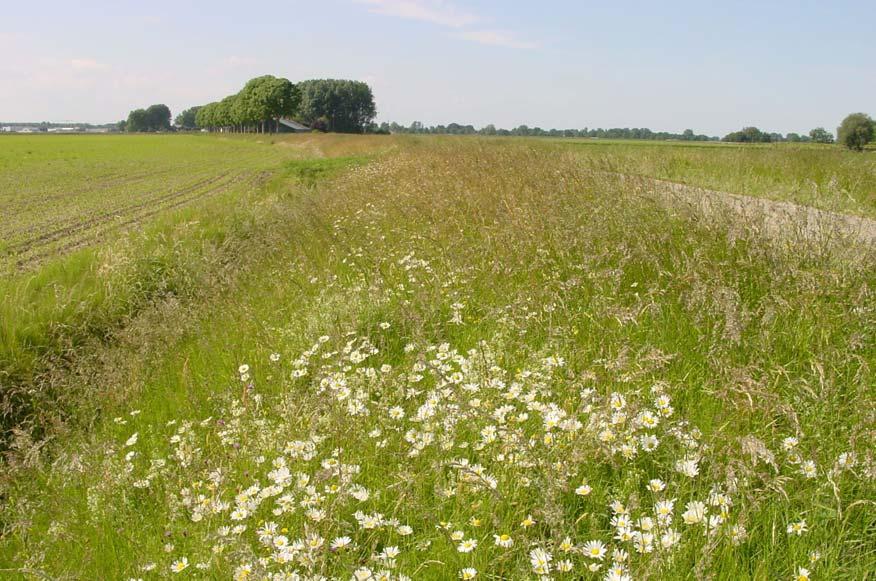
(291, 126)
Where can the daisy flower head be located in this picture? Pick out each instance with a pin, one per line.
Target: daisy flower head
(798, 528)
(617, 402)
(564, 566)
(594, 550)
(179, 565)
(540, 561)
(566, 545)
(504, 541)
(467, 546)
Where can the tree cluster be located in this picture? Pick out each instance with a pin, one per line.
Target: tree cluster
(856, 131)
(187, 119)
(323, 104)
(821, 135)
(526, 131)
(752, 135)
(257, 107)
(154, 118)
(337, 105)
(755, 135)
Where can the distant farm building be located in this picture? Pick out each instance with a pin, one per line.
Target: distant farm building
(290, 126)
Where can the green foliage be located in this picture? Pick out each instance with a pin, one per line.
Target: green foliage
(638, 133)
(138, 121)
(259, 105)
(187, 119)
(749, 135)
(856, 131)
(500, 295)
(310, 172)
(155, 118)
(158, 117)
(821, 135)
(328, 105)
(346, 106)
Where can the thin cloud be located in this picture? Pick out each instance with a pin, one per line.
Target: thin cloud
(445, 14)
(239, 61)
(87, 65)
(496, 38)
(434, 11)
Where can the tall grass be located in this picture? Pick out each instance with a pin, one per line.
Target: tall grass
(457, 338)
(73, 303)
(826, 177)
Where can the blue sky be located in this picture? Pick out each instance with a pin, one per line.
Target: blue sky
(710, 66)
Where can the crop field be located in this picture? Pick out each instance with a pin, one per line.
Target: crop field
(414, 357)
(63, 193)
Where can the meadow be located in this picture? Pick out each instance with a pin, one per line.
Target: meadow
(822, 176)
(436, 358)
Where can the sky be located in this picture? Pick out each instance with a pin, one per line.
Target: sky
(710, 65)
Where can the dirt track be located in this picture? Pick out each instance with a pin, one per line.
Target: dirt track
(774, 218)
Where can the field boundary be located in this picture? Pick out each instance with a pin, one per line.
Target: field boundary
(776, 218)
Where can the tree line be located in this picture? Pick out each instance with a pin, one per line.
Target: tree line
(346, 106)
(855, 132)
(340, 106)
(525, 131)
(335, 105)
(755, 135)
(259, 105)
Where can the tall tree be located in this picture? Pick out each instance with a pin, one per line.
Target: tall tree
(188, 118)
(138, 121)
(348, 106)
(158, 117)
(821, 135)
(283, 99)
(856, 131)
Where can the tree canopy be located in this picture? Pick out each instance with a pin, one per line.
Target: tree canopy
(154, 118)
(821, 135)
(258, 106)
(343, 106)
(856, 131)
(324, 104)
(186, 119)
(750, 135)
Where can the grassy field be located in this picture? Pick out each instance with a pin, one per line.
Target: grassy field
(824, 176)
(447, 358)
